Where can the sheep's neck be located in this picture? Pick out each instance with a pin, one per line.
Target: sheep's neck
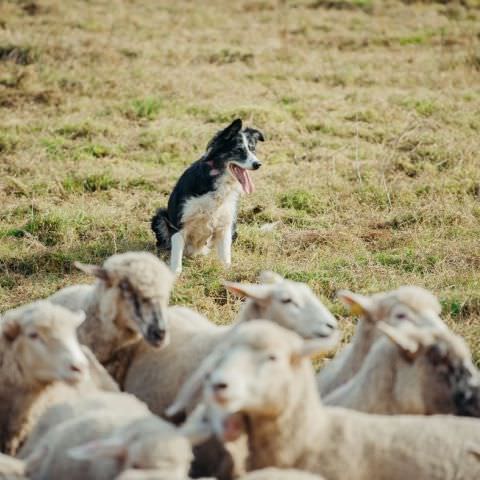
(251, 310)
(283, 440)
(15, 407)
(371, 389)
(362, 341)
(119, 362)
(90, 334)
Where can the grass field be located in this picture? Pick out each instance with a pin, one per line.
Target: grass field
(371, 110)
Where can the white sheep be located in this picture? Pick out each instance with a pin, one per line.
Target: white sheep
(38, 346)
(192, 337)
(57, 400)
(127, 303)
(106, 436)
(262, 373)
(413, 370)
(287, 303)
(406, 303)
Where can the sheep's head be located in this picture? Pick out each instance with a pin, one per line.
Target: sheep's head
(437, 374)
(252, 370)
(414, 304)
(136, 289)
(43, 341)
(291, 305)
(148, 444)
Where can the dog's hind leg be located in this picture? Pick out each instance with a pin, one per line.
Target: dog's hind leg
(224, 246)
(176, 253)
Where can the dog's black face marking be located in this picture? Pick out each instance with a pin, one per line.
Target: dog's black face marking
(234, 145)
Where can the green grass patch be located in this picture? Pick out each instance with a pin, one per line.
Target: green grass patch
(407, 260)
(300, 200)
(145, 108)
(8, 142)
(97, 182)
(48, 228)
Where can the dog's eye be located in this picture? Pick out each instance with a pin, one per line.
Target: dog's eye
(33, 335)
(287, 300)
(272, 357)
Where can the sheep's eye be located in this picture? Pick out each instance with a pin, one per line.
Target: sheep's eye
(272, 357)
(287, 300)
(136, 466)
(33, 335)
(401, 316)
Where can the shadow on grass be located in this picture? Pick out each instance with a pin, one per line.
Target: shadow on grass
(59, 261)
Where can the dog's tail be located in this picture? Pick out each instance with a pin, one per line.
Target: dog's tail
(161, 228)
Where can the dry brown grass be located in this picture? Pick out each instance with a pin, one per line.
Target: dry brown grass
(370, 108)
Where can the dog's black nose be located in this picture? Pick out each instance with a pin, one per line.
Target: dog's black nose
(155, 335)
(256, 165)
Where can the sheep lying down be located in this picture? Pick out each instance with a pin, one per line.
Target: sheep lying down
(262, 376)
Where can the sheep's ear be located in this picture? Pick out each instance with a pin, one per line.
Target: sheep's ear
(113, 447)
(11, 330)
(356, 303)
(316, 347)
(268, 276)
(260, 293)
(94, 270)
(407, 345)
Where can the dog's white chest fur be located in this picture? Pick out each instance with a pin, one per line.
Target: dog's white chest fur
(211, 215)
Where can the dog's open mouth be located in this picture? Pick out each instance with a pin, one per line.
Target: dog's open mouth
(242, 175)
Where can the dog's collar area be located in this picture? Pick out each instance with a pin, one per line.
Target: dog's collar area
(213, 171)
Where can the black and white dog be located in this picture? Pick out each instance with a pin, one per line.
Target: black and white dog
(202, 208)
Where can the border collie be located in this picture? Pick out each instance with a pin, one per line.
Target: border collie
(202, 207)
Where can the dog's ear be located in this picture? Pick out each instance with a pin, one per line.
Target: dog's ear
(232, 129)
(254, 134)
(225, 134)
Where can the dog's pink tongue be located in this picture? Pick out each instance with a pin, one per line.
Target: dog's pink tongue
(244, 179)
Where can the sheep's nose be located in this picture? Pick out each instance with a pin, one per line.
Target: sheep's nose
(256, 165)
(155, 335)
(219, 386)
